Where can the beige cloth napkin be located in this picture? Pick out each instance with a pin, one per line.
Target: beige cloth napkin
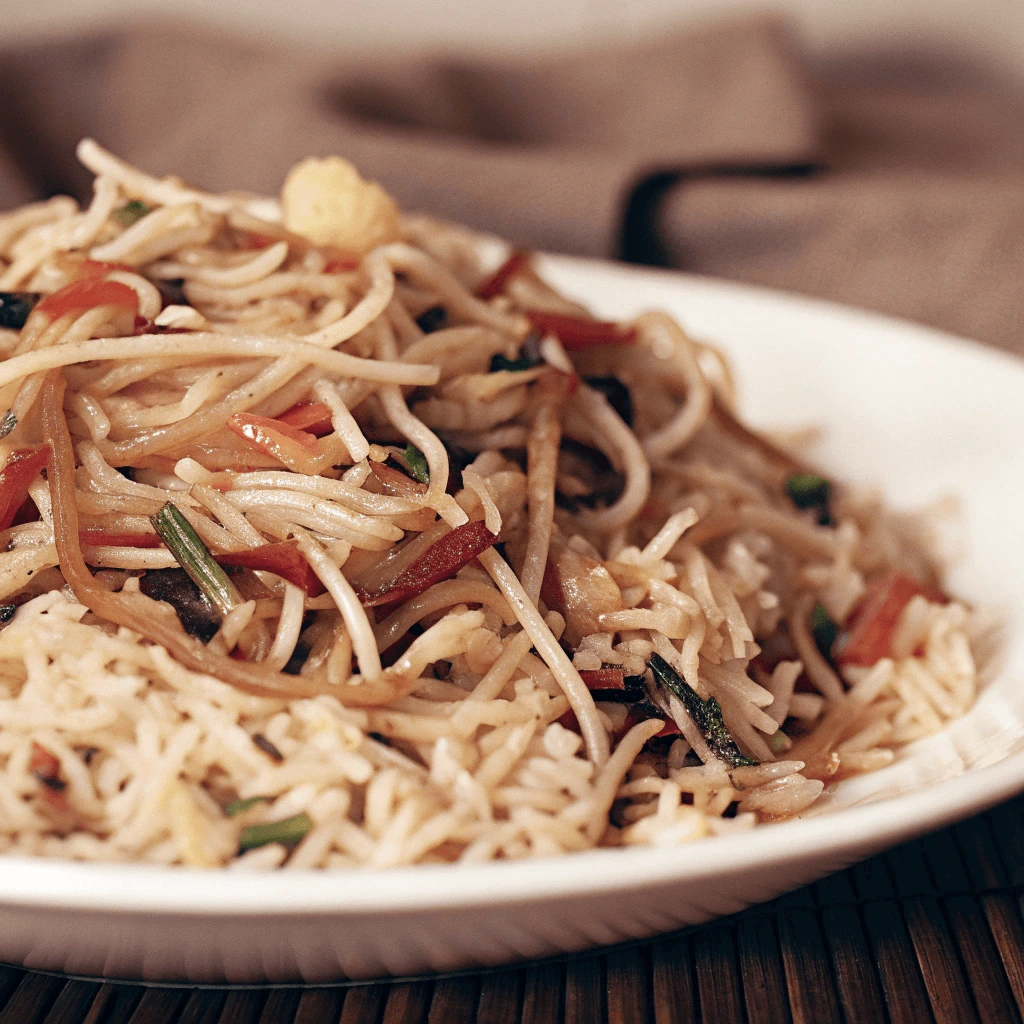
(715, 149)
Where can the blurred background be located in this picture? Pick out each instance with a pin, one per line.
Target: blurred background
(867, 151)
(990, 30)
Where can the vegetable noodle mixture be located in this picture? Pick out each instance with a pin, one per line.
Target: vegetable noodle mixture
(326, 544)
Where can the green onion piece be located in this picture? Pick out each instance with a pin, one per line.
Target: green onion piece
(808, 490)
(8, 422)
(779, 742)
(289, 832)
(824, 630)
(132, 211)
(15, 308)
(432, 319)
(529, 356)
(706, 714)
(243, 805)
(194, 557)
(500, 362)
(7, 613)
(417, 463)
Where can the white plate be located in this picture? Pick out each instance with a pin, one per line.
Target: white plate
(920, 413)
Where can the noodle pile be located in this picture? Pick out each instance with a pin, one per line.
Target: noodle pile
(545, 591)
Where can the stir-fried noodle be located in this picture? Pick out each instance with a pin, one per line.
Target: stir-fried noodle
(326, 544)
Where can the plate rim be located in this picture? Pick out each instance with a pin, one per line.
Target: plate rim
(598, 872)
(960, 344)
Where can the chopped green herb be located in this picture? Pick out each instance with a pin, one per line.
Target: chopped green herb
(417, 463)
(289, 832)
(628, 695)
(7, 613)
(458, 460)
(195, 611)
(132, 211)
(808, 490)
(706, 714)
(646, 708)
(15, 308)
(8, 422)
(432, 319)
(529, 356)
(194, 557)
(617, 394)
(268, 748)
(824, 630)
(500, 362)
(243, 805)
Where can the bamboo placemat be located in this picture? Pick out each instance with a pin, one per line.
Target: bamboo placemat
(929, 932)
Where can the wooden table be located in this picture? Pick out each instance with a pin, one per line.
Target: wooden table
(931, 931)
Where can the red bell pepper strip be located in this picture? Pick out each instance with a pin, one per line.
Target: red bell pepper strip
(271, 436)
(313, 417)
(100, 268)
(569, 721)
(22, 468)
(559, 380)
(256, 240)
(875, 620)
(551, 589)
(577, 334)
(45, 766)
(604, 678)
(88, 293)
(249, 427)
(394, 481)
(668, 729)
(27, 513)
(282, 559)
(495, 284)
(107, 538)
(442, 560)
(342, 265)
